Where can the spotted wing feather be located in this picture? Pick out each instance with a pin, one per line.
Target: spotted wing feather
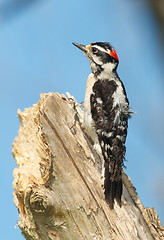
(111, 126)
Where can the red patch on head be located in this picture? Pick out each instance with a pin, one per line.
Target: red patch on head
(113, 54)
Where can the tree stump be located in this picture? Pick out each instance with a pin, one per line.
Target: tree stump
(58, 186)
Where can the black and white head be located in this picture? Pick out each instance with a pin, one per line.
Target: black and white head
(102, 56)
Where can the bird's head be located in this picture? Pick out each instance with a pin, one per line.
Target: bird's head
(102, 56)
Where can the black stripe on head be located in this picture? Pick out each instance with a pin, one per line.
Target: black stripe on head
(103, 55)
(104, 45)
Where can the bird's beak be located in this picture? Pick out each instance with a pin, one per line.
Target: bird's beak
(81, 47)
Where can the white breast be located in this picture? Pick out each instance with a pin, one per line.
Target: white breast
(88, 124)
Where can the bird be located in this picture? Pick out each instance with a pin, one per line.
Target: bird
(106, 114)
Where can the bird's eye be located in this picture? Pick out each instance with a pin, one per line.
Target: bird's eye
(94, 50)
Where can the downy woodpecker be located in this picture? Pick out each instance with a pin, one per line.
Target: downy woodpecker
(106, 113)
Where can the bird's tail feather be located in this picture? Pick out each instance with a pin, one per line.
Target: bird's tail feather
(113, 189)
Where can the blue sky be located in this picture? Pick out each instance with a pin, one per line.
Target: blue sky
(37, 56)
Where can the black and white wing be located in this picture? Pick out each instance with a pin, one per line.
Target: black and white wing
(111, 121)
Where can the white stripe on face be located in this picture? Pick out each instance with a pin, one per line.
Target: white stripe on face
(101, 49)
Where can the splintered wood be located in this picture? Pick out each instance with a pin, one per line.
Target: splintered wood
(57, 185)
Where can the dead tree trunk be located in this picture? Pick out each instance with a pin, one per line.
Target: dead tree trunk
(57, 184)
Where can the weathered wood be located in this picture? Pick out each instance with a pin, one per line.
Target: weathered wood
(57, 184)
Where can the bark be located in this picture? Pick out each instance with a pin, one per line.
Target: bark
(57, 185)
